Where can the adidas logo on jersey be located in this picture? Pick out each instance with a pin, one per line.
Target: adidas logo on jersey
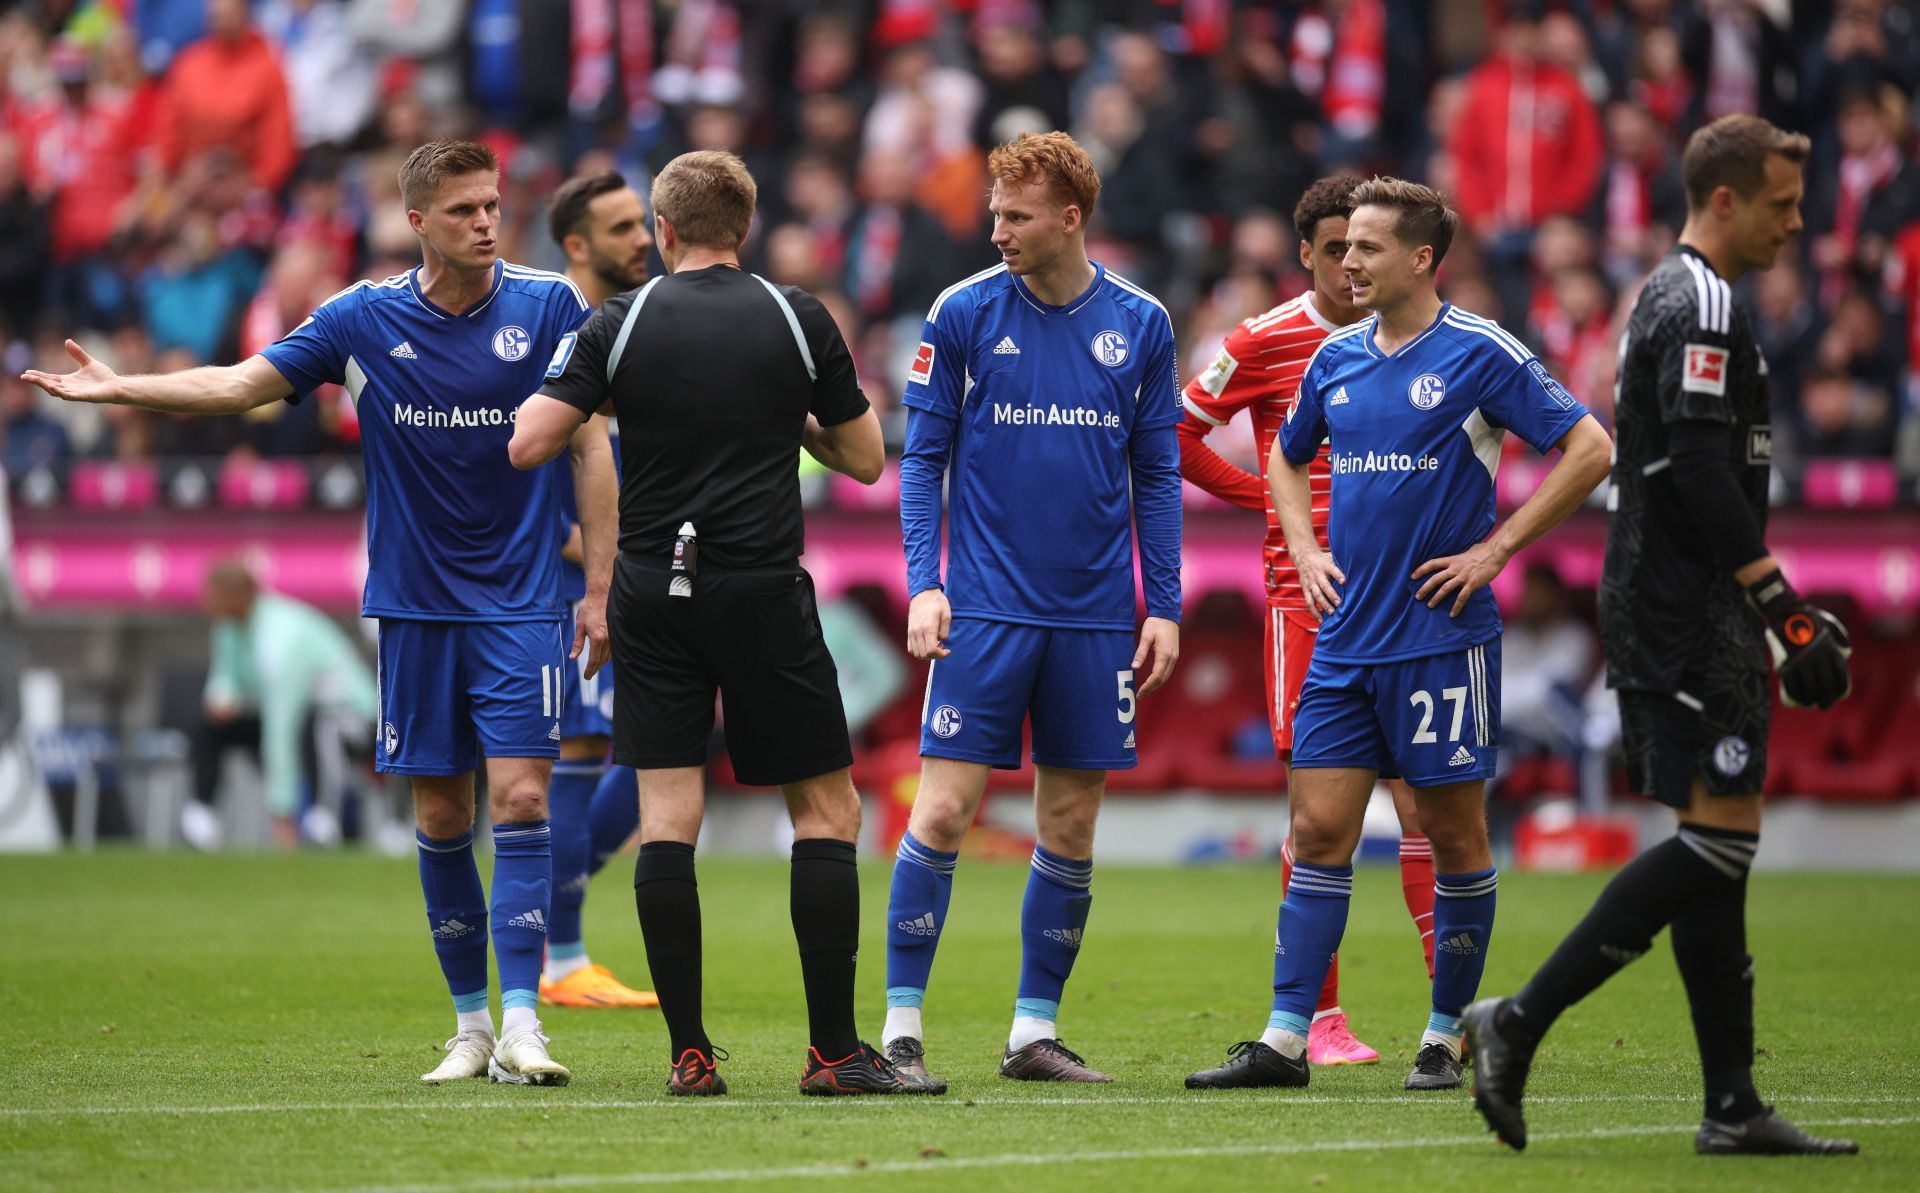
(404, 351)
(554, 733)
(924, 926)
(1128, 744)
(1339, 397)
(1066, 936)
(1461, 945)
(1461, 757)
(535, 919)
(1006, 347)
(454, 930)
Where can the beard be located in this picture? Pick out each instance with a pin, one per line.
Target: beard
(616, 275)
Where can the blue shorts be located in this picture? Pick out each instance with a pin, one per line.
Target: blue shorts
(586, 707)
(1431, 720)
(452, 692)
(1076, 684)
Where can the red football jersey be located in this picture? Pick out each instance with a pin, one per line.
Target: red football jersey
(1259, 370)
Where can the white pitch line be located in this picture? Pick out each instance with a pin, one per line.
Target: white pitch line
(585, 1180)
(512, 1101)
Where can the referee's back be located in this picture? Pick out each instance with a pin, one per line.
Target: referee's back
(712, 373)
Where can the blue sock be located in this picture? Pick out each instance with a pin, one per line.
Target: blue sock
(1313, 918)
(1052, 917)
(1462, 927)
(613, 814)
(522, 903)
(457, 916)
(916, 911)
(568, 797)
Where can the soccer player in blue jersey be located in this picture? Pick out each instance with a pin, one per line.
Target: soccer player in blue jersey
(463, 563)
(1046, 393)
(1405, 678)
(600, 223)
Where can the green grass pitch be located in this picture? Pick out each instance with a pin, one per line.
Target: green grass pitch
(178, 1022)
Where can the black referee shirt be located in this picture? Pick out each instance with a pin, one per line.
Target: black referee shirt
(712, 377)
(1688, 355)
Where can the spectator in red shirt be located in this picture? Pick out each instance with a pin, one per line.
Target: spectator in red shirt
(77, 156)
(1527, 144)
(227, 89)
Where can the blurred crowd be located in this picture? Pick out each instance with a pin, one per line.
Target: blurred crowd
(181, 181)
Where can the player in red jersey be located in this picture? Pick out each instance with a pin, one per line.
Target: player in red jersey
(1258, 370)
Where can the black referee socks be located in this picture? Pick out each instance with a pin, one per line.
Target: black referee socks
(668, 900)
(826, 924)
(1660, 885)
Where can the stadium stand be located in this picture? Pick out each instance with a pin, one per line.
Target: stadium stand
(170, 220)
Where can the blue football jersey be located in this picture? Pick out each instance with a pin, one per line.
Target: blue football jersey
(1055, 426)
(1415, 443)
(454, 531)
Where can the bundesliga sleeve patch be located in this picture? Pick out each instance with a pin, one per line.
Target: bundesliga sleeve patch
(1217, 374)
(562, 354)
(1706, 371)
(922, 371)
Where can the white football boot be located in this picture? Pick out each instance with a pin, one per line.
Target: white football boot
(520, 1058)
(468, 1055)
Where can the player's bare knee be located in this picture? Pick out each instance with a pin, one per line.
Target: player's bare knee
(1320, 840)
(443, 807)
(519, 802)
(443, 820)
(824, 806)
(1066, 826)
(940, 819)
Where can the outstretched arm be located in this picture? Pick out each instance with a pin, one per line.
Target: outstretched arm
(219, 389)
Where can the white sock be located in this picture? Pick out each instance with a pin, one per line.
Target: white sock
(901, 1021)
(517, 1018)
(1329, 1013)
(1284, 1042)
(1453, 1043)
(480, 1021)
(1027, 1029)
(557, 969)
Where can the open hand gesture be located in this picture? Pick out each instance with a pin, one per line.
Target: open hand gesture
(91, 382)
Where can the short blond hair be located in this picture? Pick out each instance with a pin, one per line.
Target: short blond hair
(1420, 213)
(708, 196)
(1053, 158)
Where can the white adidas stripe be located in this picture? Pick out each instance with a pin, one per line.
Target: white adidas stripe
(933, 313)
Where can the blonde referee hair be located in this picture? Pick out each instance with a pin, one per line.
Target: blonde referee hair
(708, 196)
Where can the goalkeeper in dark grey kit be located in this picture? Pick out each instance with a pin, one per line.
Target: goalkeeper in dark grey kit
(1692, 606)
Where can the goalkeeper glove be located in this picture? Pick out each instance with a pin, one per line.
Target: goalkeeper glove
(1810, 647)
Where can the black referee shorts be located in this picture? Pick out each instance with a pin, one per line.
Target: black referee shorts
(1714, 730)
(753, 636)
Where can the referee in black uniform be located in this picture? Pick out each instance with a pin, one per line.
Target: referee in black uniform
(719, 379)
(1691, 608)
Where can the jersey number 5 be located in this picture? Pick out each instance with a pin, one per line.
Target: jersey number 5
(1127, 700)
